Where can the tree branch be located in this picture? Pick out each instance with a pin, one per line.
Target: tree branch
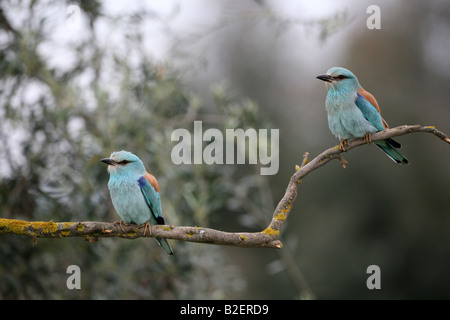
(267, 238)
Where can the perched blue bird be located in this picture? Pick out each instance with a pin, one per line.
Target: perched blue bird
(354, 113)
(135, 192)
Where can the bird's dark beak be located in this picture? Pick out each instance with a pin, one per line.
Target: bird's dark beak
(109, 161)
(325, 77)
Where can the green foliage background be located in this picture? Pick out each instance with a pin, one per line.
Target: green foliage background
(64, 106)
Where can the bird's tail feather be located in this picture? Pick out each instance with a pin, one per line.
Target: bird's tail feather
(165, 245)
(392, 153)
(394, 143)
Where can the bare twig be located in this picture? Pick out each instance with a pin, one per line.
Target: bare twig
(267, 238)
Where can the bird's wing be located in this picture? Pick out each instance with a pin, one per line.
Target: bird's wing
(151, 194)
(371, 99)
(369, 112)
(150, 178)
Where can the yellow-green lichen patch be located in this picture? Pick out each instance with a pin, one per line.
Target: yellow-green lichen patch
(271, 232)
(280, 216)
(242, 237)
(13, 226)
(46, 227)
(132, 233)
(165, 228)
(65, 225)
(65, 233)
(33, 228)
(80, 227)
(190, 234)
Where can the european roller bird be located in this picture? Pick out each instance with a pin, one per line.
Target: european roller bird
(135, 193)
(354, 113)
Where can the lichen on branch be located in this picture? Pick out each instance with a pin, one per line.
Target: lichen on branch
(267, 238)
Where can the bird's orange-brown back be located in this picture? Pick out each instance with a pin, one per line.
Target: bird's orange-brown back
(150, 178)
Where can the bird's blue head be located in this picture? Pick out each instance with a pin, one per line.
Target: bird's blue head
(338, 78)
(124, 163)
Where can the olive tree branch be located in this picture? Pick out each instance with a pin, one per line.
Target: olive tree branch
(267, 238)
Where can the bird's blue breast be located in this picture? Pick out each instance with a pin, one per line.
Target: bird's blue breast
(128, 200)
(345, 120)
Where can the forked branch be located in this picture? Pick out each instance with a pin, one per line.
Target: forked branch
(267, 238)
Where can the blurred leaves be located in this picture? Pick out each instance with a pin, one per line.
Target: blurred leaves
(330, 25)
(62, 123)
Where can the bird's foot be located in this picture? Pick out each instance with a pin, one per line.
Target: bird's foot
(121, 224)
(147, 226)
(368, 138)
(342, 145)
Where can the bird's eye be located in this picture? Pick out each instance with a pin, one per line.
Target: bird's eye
(124, 162)
(341, 77)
